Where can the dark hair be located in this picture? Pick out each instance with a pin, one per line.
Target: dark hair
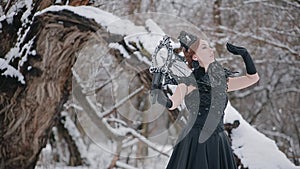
(188, 54)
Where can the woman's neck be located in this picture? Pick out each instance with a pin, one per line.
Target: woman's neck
(207, 64)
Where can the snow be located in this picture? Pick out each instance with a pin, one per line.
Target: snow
(255, 150)
(16, 53)
(149, 35)
(33, 52)
(142, 58)
(96, 154)
(3, 17)
(124, 165)
(27, 12)
(9, 18)
(16, 8)
(26, 48)
(76, 136)
(153, 27)
(10, 71)
(113, 23)
(58, 2)
(18, 50)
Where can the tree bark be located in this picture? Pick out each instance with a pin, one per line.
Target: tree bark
(29, 112)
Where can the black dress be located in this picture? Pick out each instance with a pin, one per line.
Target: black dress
(215, 152)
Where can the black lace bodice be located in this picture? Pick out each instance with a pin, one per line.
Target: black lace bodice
(199, 100)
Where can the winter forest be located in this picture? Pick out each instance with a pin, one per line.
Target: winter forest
(75, 81)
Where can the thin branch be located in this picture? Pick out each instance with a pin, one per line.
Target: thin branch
(249, 92)
(292, 4)
(117, 155)
(124, 165)
(121, 102)
(8, 4)
(124, 130)
(89, 107)
(286, 90)
(247, 34)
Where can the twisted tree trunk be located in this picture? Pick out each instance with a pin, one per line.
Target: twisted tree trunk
(29, 111)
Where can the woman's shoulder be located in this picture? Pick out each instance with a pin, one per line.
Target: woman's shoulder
(229, 73)
(187, 80)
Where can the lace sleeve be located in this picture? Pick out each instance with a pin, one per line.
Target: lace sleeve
(189, 80)
(229, 73)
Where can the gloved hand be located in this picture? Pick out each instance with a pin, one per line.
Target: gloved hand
(161, 98)
(157, 80)
(237, 50)
(157, 93)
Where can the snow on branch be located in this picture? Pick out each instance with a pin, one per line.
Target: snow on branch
(10, 71)
(113, 23)
(124, 165)
(75, 134)
(88, 106)
(253, 148)
(297, 5)
(124, 130)
(148, 35)
(22, 48)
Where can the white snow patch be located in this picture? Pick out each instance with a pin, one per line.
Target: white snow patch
(33, 52)
(255, 150)
(124, 165)
(3, 17)
(58, 2)
(25, 15)
(113, 23)
(153, 27)
(142, 58)
(11, 71)
(119, 26)
(76, 136)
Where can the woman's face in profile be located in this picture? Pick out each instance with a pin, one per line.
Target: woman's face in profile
(204, 53)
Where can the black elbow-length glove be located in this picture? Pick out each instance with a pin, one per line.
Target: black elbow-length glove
(236, 50)
(157, 93)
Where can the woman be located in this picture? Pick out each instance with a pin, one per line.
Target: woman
(205, 144)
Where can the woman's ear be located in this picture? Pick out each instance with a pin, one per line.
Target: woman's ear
(194, 57)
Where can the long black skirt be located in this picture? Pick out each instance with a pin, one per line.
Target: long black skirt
(215, 153)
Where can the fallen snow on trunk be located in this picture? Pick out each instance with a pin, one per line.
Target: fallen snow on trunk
(255, 150)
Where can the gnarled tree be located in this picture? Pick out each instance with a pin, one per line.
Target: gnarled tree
(29, 111)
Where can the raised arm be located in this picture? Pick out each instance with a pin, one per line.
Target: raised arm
(241, 82)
